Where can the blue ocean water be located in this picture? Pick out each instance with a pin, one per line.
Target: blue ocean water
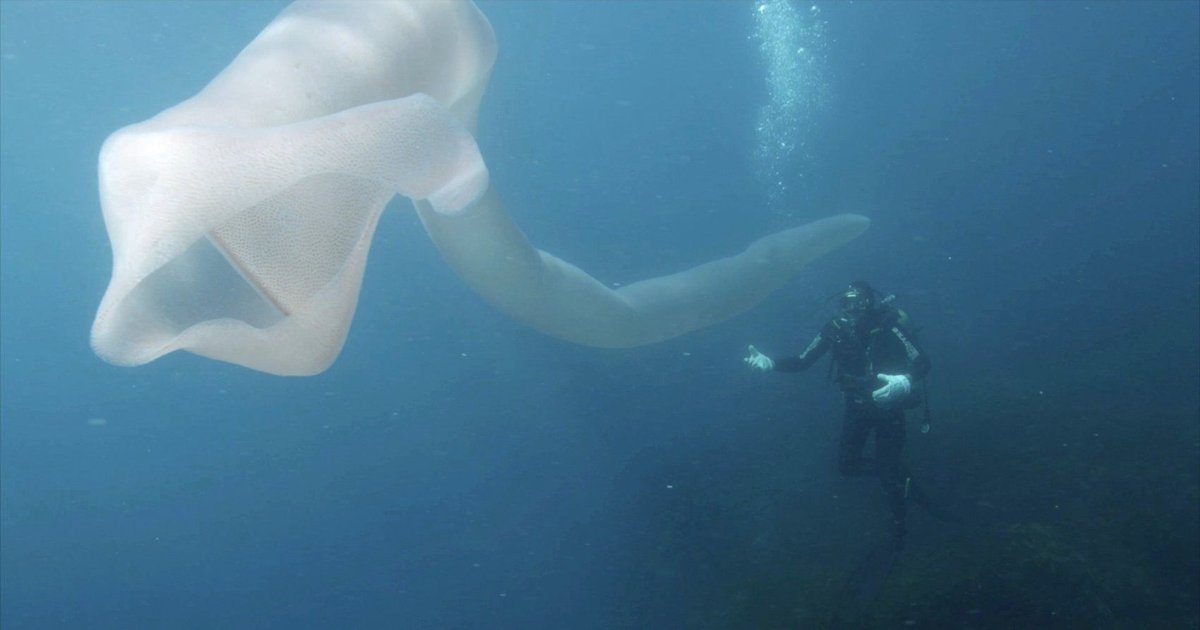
(1032, 171)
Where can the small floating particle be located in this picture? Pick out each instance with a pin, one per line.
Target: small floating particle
(97, 422)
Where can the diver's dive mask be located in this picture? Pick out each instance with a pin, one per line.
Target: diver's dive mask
(855, 304)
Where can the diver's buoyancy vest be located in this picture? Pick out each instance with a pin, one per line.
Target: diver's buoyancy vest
(853, 361)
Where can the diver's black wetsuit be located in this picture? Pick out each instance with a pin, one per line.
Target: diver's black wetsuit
(881, 343)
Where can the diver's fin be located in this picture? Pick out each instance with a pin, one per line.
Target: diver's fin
(935, 509)
(865, 582)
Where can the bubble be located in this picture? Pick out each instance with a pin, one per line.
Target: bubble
(791, 42)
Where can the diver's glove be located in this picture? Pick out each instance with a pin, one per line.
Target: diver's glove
(895, 388)
(759, 361)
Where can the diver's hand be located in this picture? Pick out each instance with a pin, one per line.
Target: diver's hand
(895, 388)
(759, 361)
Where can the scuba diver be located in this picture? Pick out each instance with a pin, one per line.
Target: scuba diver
(880, 369)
